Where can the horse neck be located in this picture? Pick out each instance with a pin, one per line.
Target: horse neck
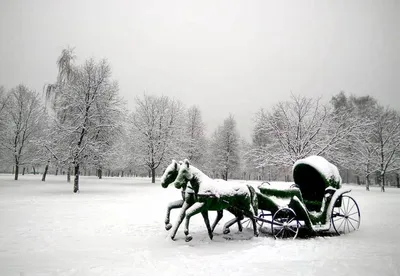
(198, 178)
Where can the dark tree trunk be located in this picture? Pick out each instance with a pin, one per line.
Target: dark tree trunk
(45, 171)
(56, 171)
(16, 171)
(23, 171)
(76, 179)
(99, 173)
(368, 183)
(398, 180)
(153, 175)
(34, 170)
(150, 173)
(358, 180)
(383, 183)
(69, 175)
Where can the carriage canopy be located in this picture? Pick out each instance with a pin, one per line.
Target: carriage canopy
(313, 175)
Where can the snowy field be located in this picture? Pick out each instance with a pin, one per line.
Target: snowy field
(115, 226)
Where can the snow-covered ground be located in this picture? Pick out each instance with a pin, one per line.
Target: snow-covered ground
(115, 226)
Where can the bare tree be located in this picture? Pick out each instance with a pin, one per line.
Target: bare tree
(156, 124)
(225, 147)
(193, 136)
(23, 114)
(387, 135)
(66, 74)
(303, 127)
(87, 110)
(360, 148)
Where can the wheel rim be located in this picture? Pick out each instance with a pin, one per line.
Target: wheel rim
(285, 224)
(346, 218)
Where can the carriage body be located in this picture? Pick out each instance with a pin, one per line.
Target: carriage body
(315, 200)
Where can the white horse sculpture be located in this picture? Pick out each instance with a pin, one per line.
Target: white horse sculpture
(188, 199)
(241, 199)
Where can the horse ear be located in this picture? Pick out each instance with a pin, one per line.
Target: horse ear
(173, 161)
(187, 163)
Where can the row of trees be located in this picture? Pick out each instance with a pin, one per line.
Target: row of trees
(355, 133)
(83, 125)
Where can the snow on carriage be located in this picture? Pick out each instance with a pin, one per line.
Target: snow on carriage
(316, 200)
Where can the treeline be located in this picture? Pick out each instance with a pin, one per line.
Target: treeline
(81, 126)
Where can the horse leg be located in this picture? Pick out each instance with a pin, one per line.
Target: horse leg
(193, 210)
(172, 205)
(252, 215)
(181, 216)
(217, 219)
(207, 222)
(237, 218)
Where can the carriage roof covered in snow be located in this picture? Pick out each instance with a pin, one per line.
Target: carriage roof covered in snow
(313, 175)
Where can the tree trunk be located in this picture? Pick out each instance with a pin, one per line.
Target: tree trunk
(122, 174)
(383, 183)
(69, 175)
(76, 179)
(153, 175)
(368, 183)
(358, 180)
(398, 180)
(99, 173)
(45, 171)
(34, 170)
(23, 171)
(56, 171)
(16, 171)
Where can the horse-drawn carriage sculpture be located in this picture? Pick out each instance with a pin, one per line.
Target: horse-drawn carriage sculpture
(315, 200)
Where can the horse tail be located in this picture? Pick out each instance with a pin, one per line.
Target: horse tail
(253, 199)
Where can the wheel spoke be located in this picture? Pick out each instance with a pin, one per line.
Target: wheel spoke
(351, 225)
(290, 228)
(354, 219)
(353, 213)
(279, 232)
(340, 224)
(351, 208)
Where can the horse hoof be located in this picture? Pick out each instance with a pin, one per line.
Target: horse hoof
(188, 238)
(227, 231)
(172, 238)
(168, 226)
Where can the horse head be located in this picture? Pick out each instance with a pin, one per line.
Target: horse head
(170, 174)
(184, 175)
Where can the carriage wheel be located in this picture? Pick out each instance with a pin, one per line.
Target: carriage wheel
(346, 218)
(285, 224)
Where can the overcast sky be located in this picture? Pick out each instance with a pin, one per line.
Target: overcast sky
(224, 56)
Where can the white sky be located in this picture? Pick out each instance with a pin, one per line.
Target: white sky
(225, 56)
